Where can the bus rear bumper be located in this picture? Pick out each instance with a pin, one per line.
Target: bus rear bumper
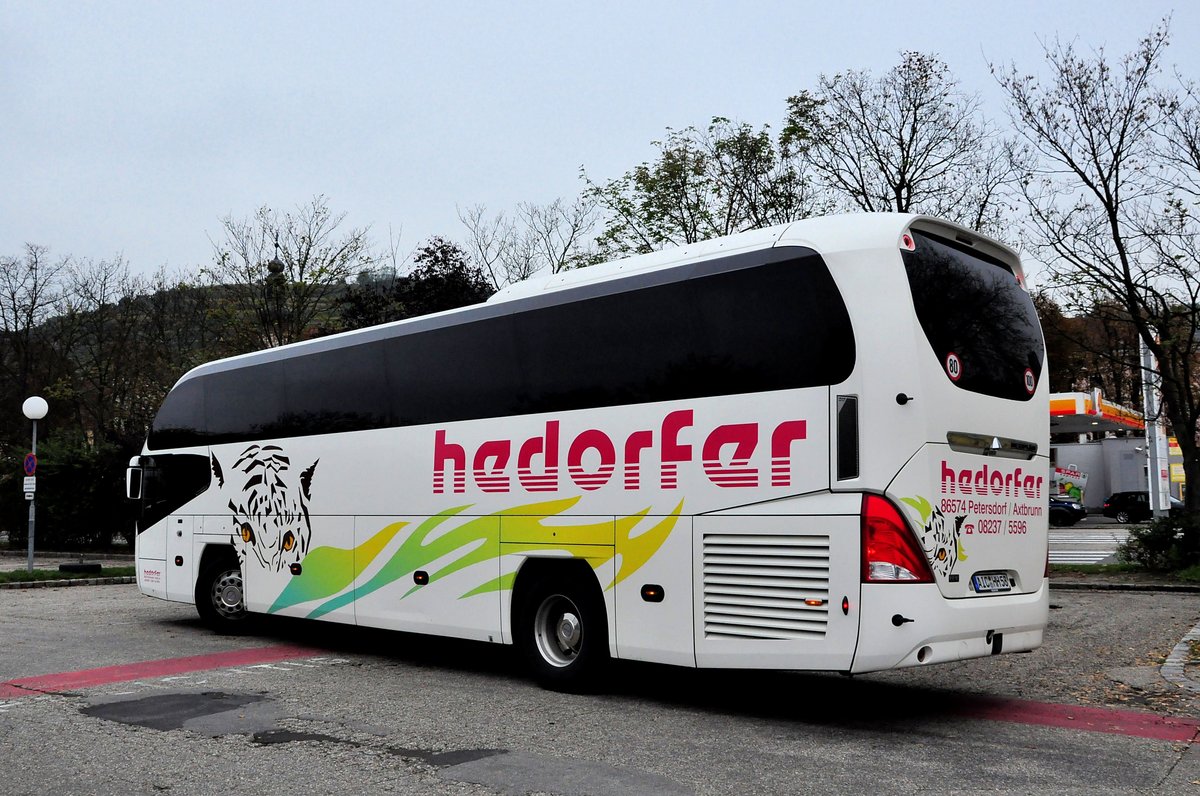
(914, 625)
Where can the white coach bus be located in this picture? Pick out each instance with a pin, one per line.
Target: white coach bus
(821, 445)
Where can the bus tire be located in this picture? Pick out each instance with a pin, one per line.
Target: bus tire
(220, 595)
(562, 630)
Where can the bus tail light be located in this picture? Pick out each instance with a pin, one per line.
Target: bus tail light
(890, 552)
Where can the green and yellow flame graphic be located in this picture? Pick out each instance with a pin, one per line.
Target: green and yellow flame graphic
(332, 573)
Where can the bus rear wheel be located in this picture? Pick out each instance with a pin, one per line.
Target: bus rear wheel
(220, 596)
(562, 630)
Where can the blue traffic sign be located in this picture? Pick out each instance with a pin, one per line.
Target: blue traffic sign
(30, 464)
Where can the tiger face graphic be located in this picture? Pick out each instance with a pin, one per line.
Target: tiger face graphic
(269, 509)
(940, 540)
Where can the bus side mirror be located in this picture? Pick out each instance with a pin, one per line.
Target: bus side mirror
(133, 483)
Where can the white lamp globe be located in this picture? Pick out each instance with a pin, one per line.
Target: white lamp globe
(35, 407)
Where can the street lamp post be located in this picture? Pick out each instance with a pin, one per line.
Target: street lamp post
(35, 409)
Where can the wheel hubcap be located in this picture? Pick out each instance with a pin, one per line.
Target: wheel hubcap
(568, 631)
(227, 594)
(558, 630)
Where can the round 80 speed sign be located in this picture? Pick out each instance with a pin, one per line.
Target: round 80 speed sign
(953, 366)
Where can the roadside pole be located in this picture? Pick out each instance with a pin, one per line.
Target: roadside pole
(1156, 438)
(35, 409)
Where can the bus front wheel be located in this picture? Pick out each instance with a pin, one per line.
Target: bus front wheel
(220, 595)
(563, 632)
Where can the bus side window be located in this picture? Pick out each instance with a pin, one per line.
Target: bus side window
(847, 437)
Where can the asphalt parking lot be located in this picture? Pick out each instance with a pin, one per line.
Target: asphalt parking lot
(115, 692)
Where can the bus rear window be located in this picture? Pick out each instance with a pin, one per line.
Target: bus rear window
(979, 321)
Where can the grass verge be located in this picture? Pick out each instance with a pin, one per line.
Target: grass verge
(25, 576)
(1096, 569)
(1189, 575)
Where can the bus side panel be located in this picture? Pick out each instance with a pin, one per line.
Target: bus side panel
(770, 591)
(660, 632)
(436, 574)
(319, 587)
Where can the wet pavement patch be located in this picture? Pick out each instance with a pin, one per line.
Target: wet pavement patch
(170, 711)
(443, 759)
(517, 773)
(271, 737)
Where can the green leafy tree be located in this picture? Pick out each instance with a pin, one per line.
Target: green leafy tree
(729, 177)
(442, 278)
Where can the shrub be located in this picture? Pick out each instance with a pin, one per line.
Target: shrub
(80, 499)
(1166, 544)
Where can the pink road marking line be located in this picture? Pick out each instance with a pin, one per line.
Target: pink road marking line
(87, 678)
(1089, 719)
(1074, 717)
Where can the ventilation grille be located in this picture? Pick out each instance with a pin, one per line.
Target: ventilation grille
(755, 586)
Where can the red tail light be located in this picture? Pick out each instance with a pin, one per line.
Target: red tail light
(890, 552)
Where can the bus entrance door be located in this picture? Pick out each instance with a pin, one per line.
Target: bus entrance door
(181, 569)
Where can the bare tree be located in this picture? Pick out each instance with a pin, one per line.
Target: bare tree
(279, 272)
(541, 238)
(908, 141)
(102, 337)
(488, 241)
(556, 234)
(177, 327)
(1111, 204)
(30, 287)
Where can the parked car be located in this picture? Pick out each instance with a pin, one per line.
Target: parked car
(1134, 506)
(1065, 511)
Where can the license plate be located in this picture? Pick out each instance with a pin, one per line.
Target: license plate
(991, 582)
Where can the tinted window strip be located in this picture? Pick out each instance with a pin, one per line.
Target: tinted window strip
(711, 331)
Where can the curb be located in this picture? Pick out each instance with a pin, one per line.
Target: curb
(1178, 588)
(62, 554)
(1174, 669)
(54, 584)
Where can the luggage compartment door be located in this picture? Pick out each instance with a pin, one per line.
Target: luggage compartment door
(769, 591)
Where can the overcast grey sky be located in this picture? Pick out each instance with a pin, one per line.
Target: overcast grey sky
(133, 127)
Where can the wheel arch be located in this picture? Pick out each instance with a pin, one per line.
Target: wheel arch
(534, 567)
(582, 583)
(214, 552)
(214, 560)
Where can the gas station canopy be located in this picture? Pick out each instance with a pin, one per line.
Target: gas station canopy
(1087, 413)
